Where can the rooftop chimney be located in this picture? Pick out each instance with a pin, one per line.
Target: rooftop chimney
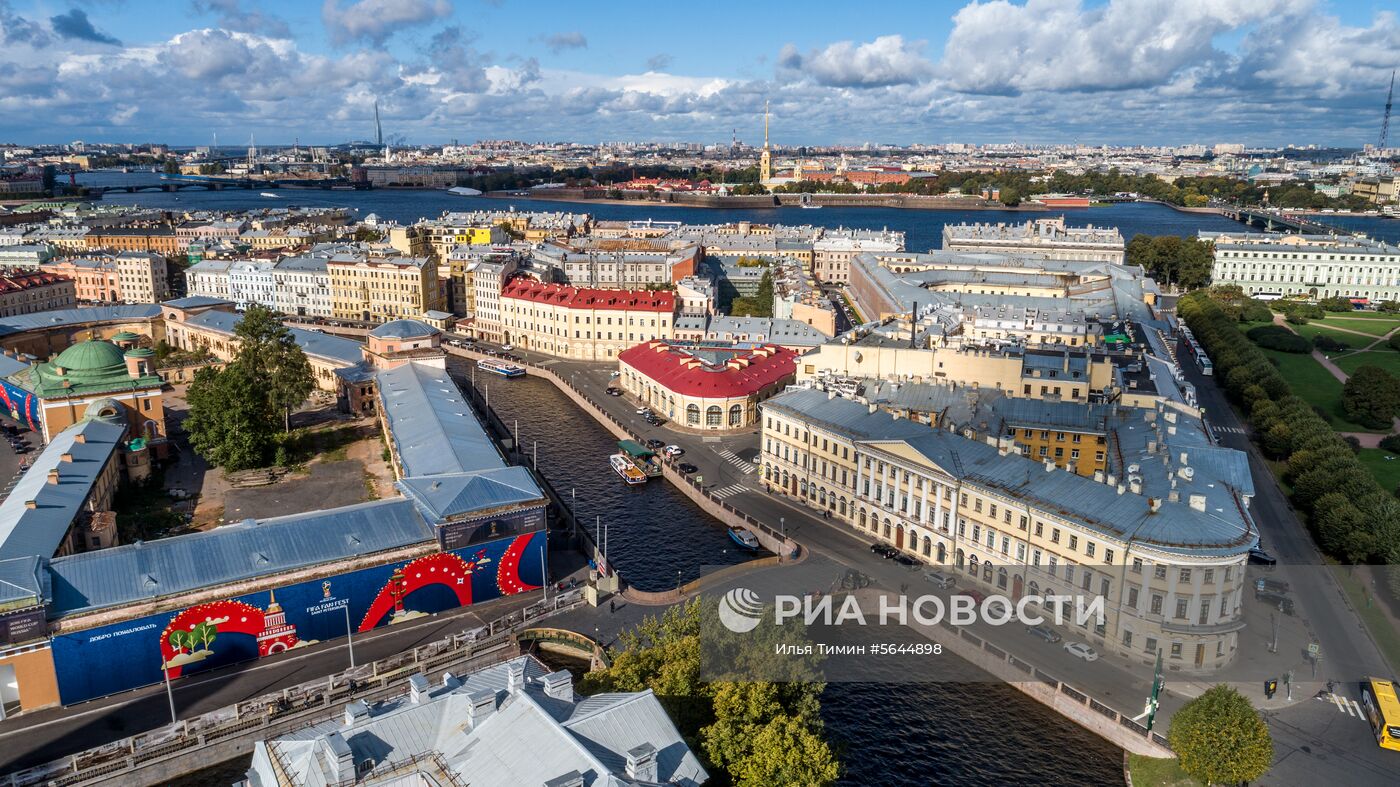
(66, 458)
(356, 711)
(559, 685)
(641, 763)
(570, 779)
(483, 705)
(80, 438)
(913, 322)
(418, 688)
(53, 476)
(31, 504)
(342, 755)
(1154, 503)
(450, 681)
(515, 676)
(1198, 502)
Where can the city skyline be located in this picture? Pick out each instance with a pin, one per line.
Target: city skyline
(1258, 72)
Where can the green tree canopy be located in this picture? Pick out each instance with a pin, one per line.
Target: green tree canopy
(1170, 259)
(1371, 397)
(233, 410)
(1220, 738)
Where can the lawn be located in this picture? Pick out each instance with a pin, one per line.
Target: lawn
(1316, 386)
(1386, 359)
(1387, 472)
(1349, 339)
(1372, 325)
(1154, 772)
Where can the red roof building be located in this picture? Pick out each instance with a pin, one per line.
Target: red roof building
(701, 387)
(588, 298)
(584, 324)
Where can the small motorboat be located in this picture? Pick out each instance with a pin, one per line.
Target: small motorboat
(743, 537)
(269, 195)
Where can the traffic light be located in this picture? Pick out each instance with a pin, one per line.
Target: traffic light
(1270, 686)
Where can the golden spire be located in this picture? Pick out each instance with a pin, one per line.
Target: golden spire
(765, 124)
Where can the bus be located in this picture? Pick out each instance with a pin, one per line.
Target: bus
(1382, 710)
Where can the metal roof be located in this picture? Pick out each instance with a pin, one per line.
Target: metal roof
(58, 318)
(442, 497)
(22, 581)
(27, 532)
(321, 345)
(432, 425)
(146, 570)
(196, 301)
(403, 329)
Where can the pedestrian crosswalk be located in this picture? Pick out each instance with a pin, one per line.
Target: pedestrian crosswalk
(1229, 429)
(734, 459)
(1344, 705)
(728, 491)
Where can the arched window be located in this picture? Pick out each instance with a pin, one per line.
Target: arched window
(843, 506)
(887, 528)
(692, 414)
(987, 571)
(803, 486)
(958, 558)
(736, 415)
(712, 415)
(971, 564)
(862, 519)
(1034, 588)
(942, 553)
(928, 547)
(1001, 578)
(821, 497)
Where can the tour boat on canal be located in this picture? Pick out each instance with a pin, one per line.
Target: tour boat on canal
(502, 368)
(644, 458)
(623, 466)
(743, 537)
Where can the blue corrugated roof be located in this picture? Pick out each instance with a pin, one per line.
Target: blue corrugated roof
(321, 345)
(22, 580)
(443, 497)
(58, 318)
(433, 427)
(25, 531)
(195, 301)
(137, 572)
(9, 366)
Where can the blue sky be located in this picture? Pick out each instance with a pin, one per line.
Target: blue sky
(1092, 71)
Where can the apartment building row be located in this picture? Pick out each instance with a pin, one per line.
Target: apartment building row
(1050, 238)
(1170, 567)
(123, 277)
(334, 284)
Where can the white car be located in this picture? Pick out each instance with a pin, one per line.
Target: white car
(507, 347)
(1080, 650)
(673, 451)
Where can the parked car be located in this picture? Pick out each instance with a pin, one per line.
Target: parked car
(643, 410)
(612, 375)
(1044, 632)
(976, 595)
(1284, 603)
(687, 468)
(884, 550)
(654, 444)
(507, 347)
(906, 560)
(614, 391)
(939, 580)
(1271, 585)
(1259, 557)
(1080, 650)
(455, 342)
(674, 451)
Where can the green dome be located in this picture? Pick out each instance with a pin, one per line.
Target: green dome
(140, 352)
(125, 336)
(91, 357)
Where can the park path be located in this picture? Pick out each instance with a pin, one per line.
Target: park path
(1366, 439)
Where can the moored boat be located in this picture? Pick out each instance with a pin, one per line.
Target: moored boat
(644, 458)
(743, 537)
(623, 466)
(502, 368)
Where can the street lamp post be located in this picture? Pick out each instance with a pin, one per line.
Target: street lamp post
(349, 635)
(169, 691)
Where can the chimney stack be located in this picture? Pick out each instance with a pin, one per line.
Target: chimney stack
(483, 704)
(418, 688)
(641, 763)
(53, 476)
(559, 685)
(515, 676)
(356, 711)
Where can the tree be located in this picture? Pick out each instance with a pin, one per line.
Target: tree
(1220, 738)
(268, 352)
(1371, 397)
(228, 423)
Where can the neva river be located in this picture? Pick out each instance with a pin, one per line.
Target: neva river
(923, 228)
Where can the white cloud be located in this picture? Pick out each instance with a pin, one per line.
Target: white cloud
(376, 20)
(560, 42)
(888, 60)
(1060, 45)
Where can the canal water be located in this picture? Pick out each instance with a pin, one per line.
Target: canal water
(972, 732)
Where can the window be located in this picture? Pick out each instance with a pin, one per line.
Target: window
(1108, 557)
(1156, 605)
(692, 415)
(1209, 577)
(1159, 572)
(1181, 605)
(1133, 597)
(1151, 645)
(1055, 536)
(712, 415)
(1127, 638)
(1176, 650)
(1074, 542)
(1185, 575)
(1039, 529)
(1089, 548)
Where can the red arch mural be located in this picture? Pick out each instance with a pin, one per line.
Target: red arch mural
(508, 573)
(228, 617)
(443, 568)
